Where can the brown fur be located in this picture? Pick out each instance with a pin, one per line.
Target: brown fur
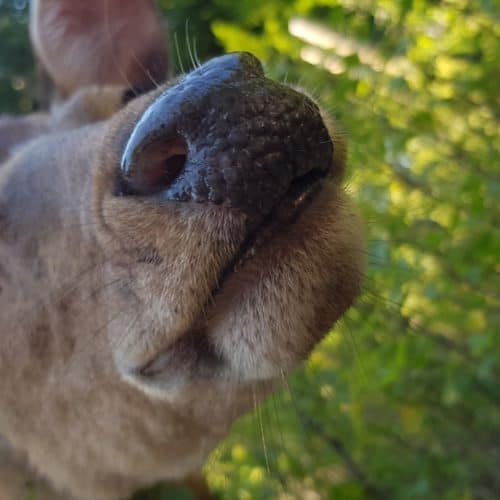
(88, 105)
(94, 287)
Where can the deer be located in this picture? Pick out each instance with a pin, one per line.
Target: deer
(166, 258)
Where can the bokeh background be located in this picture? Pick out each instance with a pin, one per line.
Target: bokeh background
(402, 399)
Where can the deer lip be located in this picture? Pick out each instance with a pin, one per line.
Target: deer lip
(301, 192)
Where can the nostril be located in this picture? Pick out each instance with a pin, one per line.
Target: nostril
(156, 167)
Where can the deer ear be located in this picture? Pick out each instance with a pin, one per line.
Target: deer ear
(81, 43)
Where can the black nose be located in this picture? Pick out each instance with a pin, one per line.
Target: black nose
(226, 134)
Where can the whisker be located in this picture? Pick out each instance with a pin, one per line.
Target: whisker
(177, 51)
(355, 348)
(188, 44)
(195, 50)
(107, 23)
(147, 72)
(261, 427)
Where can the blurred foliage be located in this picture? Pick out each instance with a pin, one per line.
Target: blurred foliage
(402, 399)
(16, 60)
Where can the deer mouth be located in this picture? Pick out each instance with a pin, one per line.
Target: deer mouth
(295, 201)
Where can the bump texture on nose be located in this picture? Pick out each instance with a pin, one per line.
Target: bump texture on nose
(247, 137)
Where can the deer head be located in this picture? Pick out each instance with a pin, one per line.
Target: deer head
(164, 262)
